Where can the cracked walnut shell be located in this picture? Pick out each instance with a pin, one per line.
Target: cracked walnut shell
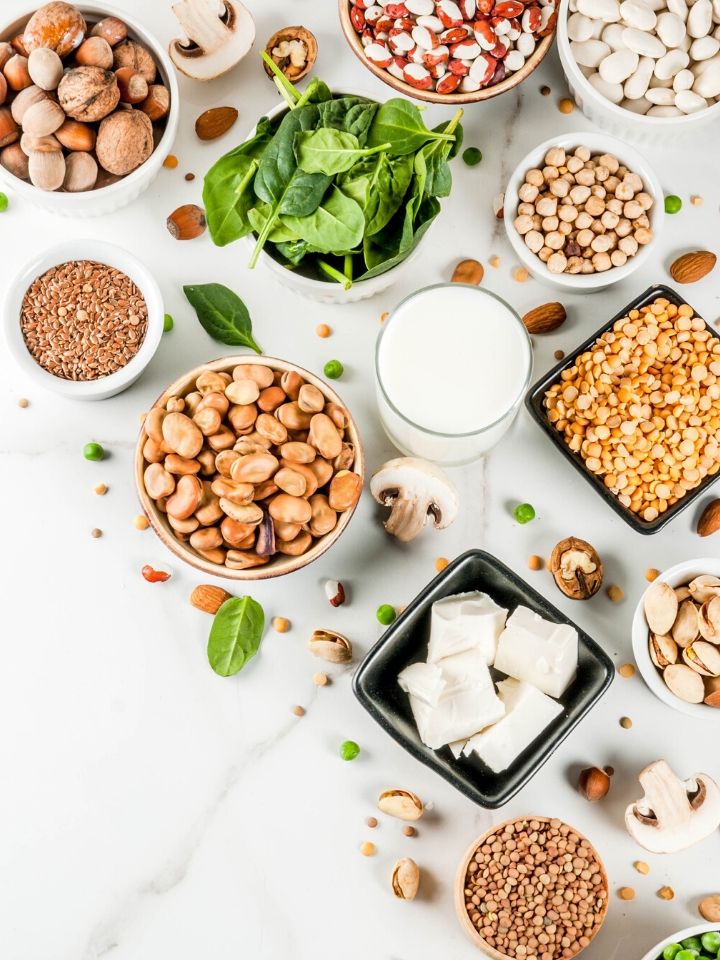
(576, 568)
(88, 94)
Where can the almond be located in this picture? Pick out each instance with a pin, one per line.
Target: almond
(215, 122)
(468, 271)
(691, 267)
(545, 318)
(208, 598)
(709, 521)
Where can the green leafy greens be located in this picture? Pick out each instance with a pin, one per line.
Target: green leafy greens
(340, 188)
(235, 635)
(222, 314)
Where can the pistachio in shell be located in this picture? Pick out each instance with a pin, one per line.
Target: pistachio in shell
(703, 658)
(712, 691)
(661, 607)
(663, 651)
(704, 588)
(402, 804)
(685, 629)
(405, 879)
(709, 620)
(576, 568)
(684, 682)
(330, 646)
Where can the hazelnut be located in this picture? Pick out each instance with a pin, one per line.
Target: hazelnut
(110, 29)
(74, 136)
(24, 100)
(58, 26)
(157, 103)
(6, 51)
(88, 93)
(49, 144)
(45, 68)
(81, 172)
(124, 141)
(9, 131)
(43, 118)
(593, 784)
(47, 170)
(131, 54)
(16, 73)
(576, 568)
(15, 161)
(133, 86)
(3, 88)
(94, 52)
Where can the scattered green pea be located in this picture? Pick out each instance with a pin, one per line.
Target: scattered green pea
(333, 369)
(93, 451)
(472, 156)
(4, 202)
(673, 204)
(349, 750)
(711, 941)
(168, 323)
(386, 614)
(524, 512)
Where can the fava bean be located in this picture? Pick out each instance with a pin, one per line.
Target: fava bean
(186, 498)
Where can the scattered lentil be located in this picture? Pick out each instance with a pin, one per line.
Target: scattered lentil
(545, 91)
(101, 489)
(96, 533)
(372, 822)
(642, 867)
(368, 849)
(281, 624)
(626, 893)
(320, 679)
(170, 161)
(626, 723)
(141, 522)
(189, 177)
(384, 316)
(615, 593)
(666, 893)
(494, 261)
(696, 201)
(535, 562)
(566, 105)
(627, 670)
(323, 330)
(559, 354)
(409, 831)
(23, 402)
(298, 710)
(610, 771)
(520, 274)
(83, 320)
(441, 563)
(652, 573)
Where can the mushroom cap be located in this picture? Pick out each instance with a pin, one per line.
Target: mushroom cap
(413, 478)
(213, 44)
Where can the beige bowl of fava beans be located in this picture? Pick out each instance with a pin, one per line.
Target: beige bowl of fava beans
(296, 540)
(531, 831)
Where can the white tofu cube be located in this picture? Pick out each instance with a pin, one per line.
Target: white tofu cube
(527, 713)
(463, 670)
(544, 654)
(424, 681)
(464, 621)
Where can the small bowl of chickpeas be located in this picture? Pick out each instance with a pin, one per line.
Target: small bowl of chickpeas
(583, 211)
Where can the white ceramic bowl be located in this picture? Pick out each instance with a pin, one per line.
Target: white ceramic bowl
(695, 931)
(322, 291)
(93, 203)
(616, 119)
(83, 250)
(596, 143)
(680, 574)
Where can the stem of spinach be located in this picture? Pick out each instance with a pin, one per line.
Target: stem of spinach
(348, 266)
(262, 237)
(289, 93)
(335, 274)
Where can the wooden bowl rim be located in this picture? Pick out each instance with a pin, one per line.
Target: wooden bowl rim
(275, 567)
(466, 923)
(430, 96)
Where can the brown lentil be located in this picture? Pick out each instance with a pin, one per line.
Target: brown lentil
(626, 723)
(409, 831)
(641, 406)
(626, 670)
(615, 593)
(494, 261)
(170, 161)
(372, 822)
(22, 402)
(320, 679)
(323, 330)
(384, 315)
(566, 105)
(281, 624)
(651, 574)
(696, 201)
(520, 274)
(367, 849)
(441, 563)
(559, 354)
(96, 533)
(642, 867)
(83, 320)
(535, 890)
(189, 177)
(545, 91)
(535, 562)
(610, 771)
(626, 893)
(666, 893)
(141, 522)
(298, 710)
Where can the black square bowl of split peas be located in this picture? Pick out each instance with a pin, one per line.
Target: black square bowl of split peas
(636, 408)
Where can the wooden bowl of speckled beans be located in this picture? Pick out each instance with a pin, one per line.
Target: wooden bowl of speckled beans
(538, 848)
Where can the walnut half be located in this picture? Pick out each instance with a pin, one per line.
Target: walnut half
(577, 568)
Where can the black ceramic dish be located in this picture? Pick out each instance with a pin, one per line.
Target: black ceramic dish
(534, 402)
(376, 687)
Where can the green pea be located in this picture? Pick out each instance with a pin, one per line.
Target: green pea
(687, 955)
(333, 369)
(671, 951)
(93, 451)
(472, 156)
(692, 943)
(673, 204)
(524, 512)
(349, 750)
(711, 941)
(386, 614)
(168, 323)
(4, 202)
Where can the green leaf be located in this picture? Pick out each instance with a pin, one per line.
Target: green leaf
(398, 240)
(400, 123)
(330, 151)
(279, 233)
(235, 635)
(336, 226)
(222, 314)
(293, 251)
(350, 114)
(290, 93)
(379, 185)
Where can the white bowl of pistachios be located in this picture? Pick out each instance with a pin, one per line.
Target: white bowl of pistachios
(676, 637)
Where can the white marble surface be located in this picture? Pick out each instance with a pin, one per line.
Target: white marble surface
(151, 809)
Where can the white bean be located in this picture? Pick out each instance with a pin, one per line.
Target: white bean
(637, 15)
(612, 35)
(673, 62)
(590, 53)
(644, 44)
(636, 85)
(526, 44)
(578, 27)
(611, 91)
(699, 21)
(704, 47)
(689, 102)
(662, 96)
(616, 68)
(607, 10)
(708, 83)
(679, 8)
(514, 60)
(640, 105)
(670, 29)
(683, 80)
(663, 111)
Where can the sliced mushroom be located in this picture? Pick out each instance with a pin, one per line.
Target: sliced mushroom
(218, 34)
(416, 490)
(663, 651)
(685, 629)
(577, 568)
(673, 814)
(661, 607)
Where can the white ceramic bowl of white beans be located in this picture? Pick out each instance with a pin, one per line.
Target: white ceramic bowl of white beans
(615, 119)
(695, 931)
(101, 252)
(682, 573)
(597, 143)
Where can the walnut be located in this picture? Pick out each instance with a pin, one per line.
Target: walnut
(577, 568)
(124, 141)
(57, 26)
(88, 93)
(131, 54)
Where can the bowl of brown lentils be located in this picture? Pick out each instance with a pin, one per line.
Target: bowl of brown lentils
(532, 888)
(83, 319)
(249, 467)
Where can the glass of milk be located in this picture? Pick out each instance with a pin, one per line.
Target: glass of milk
(452, 364)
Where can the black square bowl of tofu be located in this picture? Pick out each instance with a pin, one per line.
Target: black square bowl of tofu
(481, 678)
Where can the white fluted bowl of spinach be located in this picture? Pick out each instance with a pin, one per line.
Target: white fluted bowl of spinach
(333, 192)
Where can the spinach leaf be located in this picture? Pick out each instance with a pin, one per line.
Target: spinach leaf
(330, 151)
(293, 251)
(400, 123)
(393, 251)
(228, 192)
(279, 233)
(379, 185)
(235, 635)
(336, 226)
(438, 182)
(222, 314)
(317, 91)
(288, 92)
(349, 114)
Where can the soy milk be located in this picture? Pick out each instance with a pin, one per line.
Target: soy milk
(452, 364)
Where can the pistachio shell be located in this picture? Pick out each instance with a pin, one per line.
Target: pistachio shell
(405, 879)
(663, 651)
(682, 593)
(661, 607)
(704, 588)
(709, 620)
(330, 646)
(401, 804)
(684, 682)
(703, 658)
(685, 629)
